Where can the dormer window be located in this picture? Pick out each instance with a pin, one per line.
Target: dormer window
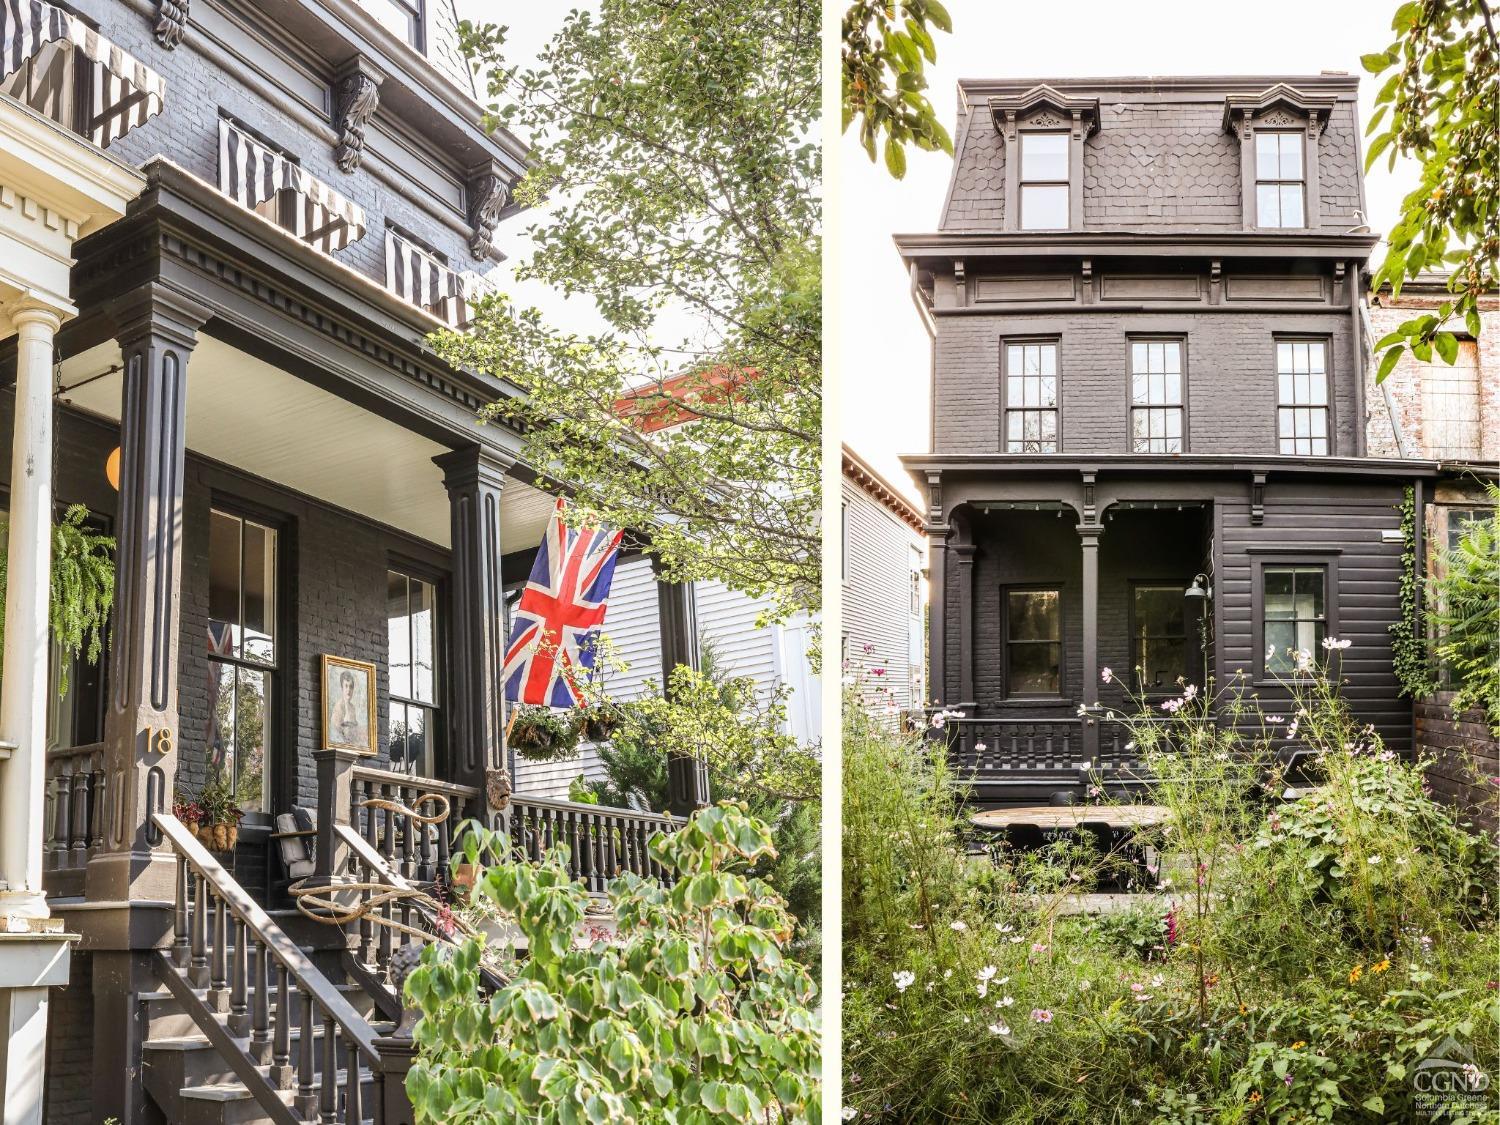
(1044, 181)
(1280, 183)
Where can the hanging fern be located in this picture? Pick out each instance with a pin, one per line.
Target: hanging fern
(83, 588)
(1409, 655)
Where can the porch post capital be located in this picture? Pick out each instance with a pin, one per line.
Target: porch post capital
(335, 807)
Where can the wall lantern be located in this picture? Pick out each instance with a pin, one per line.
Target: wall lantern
(112, 469)
(1200, 588)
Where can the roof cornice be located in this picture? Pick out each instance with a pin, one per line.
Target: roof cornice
(1345, 87)
(1134, 464)
(864, 475)
(1125, 243)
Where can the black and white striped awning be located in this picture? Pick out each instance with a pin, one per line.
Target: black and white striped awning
(415, 275)
(42, 49)
(266, 181)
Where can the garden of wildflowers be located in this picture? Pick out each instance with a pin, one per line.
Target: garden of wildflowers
(1317, 948)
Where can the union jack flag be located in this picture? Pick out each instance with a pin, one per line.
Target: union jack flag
(556, 623)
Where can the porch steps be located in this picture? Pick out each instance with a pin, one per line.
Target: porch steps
(1109, 903)
(192, 1083)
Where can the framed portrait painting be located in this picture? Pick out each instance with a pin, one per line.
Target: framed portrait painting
(348, 704)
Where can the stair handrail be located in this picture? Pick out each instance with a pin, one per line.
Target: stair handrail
(245, 909)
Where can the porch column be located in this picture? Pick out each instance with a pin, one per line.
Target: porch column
(1088, 534)
(963, 555)
(28, 586)
(677, 612)
(937, 597)
(475, 479)
(157, 331)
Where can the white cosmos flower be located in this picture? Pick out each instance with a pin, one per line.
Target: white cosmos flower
(1374, 859)
(904, 979)
(1004, 929)
(987, 973)
(848, 1113)
(957, 925)
(1005, 1001)
(999, 1028)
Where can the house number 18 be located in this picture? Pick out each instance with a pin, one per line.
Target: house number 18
(160, 740)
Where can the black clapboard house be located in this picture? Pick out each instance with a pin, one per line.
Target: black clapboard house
(247, 401)
(1148, 443)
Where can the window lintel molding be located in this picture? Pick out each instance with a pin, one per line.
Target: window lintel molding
(1080, 113)
(1242, 110)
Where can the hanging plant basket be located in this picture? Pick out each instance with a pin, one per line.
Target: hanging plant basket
(597, 724)
(539, 734)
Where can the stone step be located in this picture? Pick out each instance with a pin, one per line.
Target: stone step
(231, 1103)
(165, 1017)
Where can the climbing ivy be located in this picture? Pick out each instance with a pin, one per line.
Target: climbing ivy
(83, 588)
(1409, 642)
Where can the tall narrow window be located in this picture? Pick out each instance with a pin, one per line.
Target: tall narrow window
(1031, 398)
(411, 625)
(1295, 618)
(1279, 180)
(1033, 642)
(1302, 397)
(1156, 396)
(1158, 637)
(1044, 181)
(241, 654)
(404, 17)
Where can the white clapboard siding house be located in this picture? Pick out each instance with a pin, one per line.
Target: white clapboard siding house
(885, 588)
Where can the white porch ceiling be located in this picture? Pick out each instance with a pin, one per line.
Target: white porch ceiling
(267, 422)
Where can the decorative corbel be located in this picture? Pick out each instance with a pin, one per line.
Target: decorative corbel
(958, 281)
(1258, 499)
(1339, 271)
(934, 499)
(171, 22)
(488, 195)
(1090, 511)
(1215, 281)
(356, 94)
(1086, 269)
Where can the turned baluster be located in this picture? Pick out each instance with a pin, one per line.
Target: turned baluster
(219, 974)
(260, 1012)
(62, 810)
(180, 952)
(97, 807)
(365, 791)
(306, 1098)
(366, 927)
(239, 968)
(409, 829)
(388, 837)
(78, 829)
(424, 849)
(328, 1103)
(353, 1111)
(281, 1039)
(198, 931)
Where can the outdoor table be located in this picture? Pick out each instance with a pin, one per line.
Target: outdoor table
(1071, 816)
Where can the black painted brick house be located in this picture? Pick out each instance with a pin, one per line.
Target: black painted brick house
(1148, 365)
(255, 378)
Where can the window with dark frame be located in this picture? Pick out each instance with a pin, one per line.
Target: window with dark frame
(403, 17)
(411, 659)
(1302, 397)
(1158, 636)
(1033, 642)
(1031, 398)
(1156, 400)
(1294, 615)
(1280, 182)
(1044, 181)
(1459, 520)
(242, 654)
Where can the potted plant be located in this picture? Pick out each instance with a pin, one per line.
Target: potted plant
(187, 812)
(540, 734)
(218, 822)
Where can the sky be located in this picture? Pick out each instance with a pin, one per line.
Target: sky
(883, 350)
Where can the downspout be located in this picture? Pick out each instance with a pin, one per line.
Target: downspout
(1368, 352)
(1361, 430)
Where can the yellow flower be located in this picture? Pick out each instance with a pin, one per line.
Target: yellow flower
(1381, 966)
(1355, 973)
(1254, 1096)
(1297, 1046)
(1243, 1009)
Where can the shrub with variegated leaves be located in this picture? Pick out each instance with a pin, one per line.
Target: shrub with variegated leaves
(690, 1014)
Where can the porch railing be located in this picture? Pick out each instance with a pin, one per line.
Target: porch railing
(983, 748)
(602, 842)
(301, 1049)
(414, 849)
(74, 824)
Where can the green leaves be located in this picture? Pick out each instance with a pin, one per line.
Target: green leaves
(606, 1033)
(886, 49)
(1444, 107)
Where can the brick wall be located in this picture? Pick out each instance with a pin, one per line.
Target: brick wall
(1231, 378)
(187, 132)
(68, 1097)
(1442, 412)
